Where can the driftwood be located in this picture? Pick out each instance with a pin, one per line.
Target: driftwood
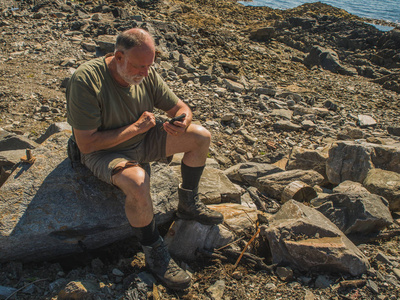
(298, 191)
(230, 255)
(263, 202)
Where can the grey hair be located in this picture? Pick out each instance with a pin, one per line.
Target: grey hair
(131, 38)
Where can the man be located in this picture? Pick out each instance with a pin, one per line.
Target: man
(110, 101)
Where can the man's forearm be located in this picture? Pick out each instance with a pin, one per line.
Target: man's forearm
(93, 140)
(100, 140)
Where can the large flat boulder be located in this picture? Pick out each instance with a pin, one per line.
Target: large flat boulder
(351, 160)
(355, 213)
(51, 208)
(185, 237)
(304, 238)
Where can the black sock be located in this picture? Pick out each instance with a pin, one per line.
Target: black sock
(191, 176)
(147, 235)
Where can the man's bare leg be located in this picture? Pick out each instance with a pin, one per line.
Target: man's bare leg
(135, 183)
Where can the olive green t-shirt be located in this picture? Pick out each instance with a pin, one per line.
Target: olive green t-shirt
(96, 101)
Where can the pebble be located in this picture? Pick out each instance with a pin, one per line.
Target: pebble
(284, 273)
(6, 291)
(117, 272)
(216, 291)
(323, 282)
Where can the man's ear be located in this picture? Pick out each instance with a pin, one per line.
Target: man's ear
(118, 55)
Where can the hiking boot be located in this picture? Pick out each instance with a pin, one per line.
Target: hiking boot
(164, 267)
(191, 208)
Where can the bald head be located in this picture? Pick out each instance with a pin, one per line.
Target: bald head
(131, 38)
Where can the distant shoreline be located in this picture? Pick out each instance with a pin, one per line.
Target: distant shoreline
(372, 21)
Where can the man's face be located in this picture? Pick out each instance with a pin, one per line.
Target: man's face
(134, 64)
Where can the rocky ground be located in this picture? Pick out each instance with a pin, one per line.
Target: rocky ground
(253, 89)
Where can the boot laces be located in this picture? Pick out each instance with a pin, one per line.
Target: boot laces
(160, 255)
(201, 206)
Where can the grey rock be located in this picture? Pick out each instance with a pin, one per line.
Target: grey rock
(215, 187)
(394, 130)
(285, 125)
(307, 159)
(381, 257)
(249, 172)
(348, 187)
(233, 86)
(106, 43)
(284, 273)
(186, 63)
(284, 113)
(216, 291)
(308, 124)
(185, 237)
(396, 272)
(10, 158)
(386, 184)
(12, 141)
(352, 160)
(56, 285)
(6, 292)
(355, 133)
(49, 208)
(299, 110)
(53, 129)
(265, 91)
(327, 59)
(90, 47)
(304, 238)
(264, 34)
(354, 213)
(232, 65)
(274, 184)
(323, 282)
(372, 286)
(366, 121)
(290, 96)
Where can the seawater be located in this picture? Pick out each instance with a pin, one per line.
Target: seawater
(388, 10)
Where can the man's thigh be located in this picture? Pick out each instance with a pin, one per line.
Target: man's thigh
(152, 148)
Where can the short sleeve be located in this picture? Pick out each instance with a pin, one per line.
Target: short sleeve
(83, 108)
(164, 97)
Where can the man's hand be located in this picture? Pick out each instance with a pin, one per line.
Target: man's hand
(178, 128)
(146, 122)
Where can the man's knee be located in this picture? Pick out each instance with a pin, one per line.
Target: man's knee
(201, 135)
(132, 180)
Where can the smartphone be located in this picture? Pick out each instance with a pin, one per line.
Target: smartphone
(178, 118)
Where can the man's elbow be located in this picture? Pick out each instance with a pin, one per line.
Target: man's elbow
(85, 148)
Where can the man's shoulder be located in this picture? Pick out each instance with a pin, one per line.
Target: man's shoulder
(94, 67)
(154, 77)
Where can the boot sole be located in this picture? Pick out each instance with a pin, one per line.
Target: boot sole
(177, 287)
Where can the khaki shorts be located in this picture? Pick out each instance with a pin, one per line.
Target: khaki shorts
(151, 148)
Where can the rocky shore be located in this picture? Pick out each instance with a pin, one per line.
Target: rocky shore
(302, 104)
